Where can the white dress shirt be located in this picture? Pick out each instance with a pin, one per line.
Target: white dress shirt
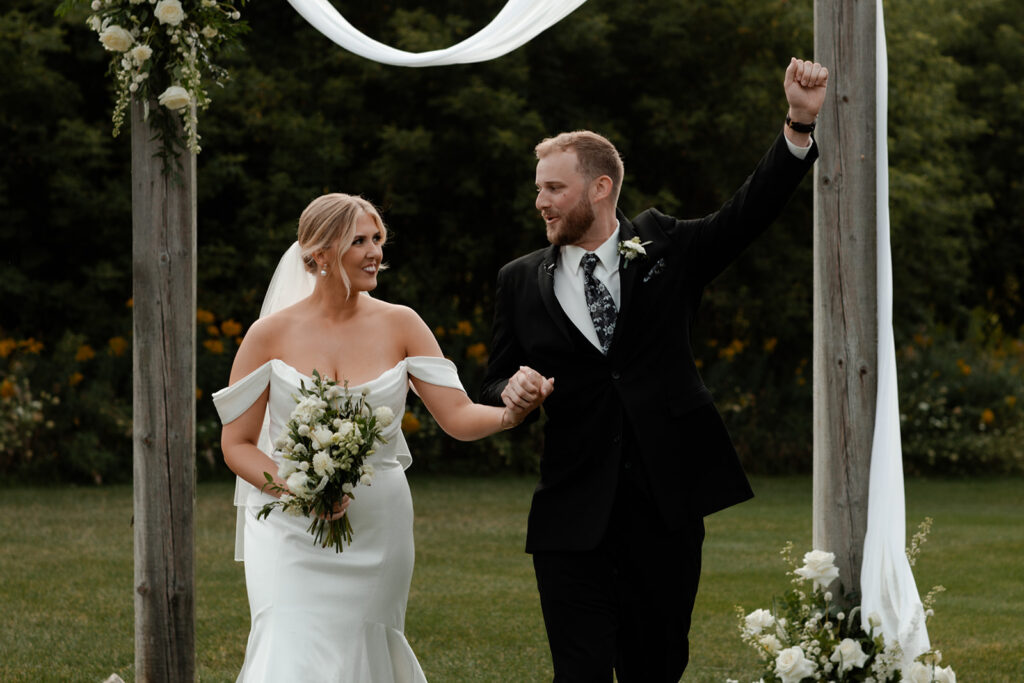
(569, 274)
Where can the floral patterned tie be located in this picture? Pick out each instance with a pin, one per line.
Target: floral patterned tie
(599, 302)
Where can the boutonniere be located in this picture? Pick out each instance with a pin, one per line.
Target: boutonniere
(631, 249)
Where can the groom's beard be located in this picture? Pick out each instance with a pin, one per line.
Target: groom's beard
(574, 225)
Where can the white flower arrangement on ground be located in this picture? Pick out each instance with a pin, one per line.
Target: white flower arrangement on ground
(809, 637)
(162, 50)
(323, 450)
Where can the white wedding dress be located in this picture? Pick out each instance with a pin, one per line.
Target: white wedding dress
(319, 615)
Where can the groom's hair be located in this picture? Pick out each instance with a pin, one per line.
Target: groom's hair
(333, 217)
(595, 155)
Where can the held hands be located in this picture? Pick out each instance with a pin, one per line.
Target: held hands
(525, 391)
(805, 84)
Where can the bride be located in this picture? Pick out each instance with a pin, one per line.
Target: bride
(319, 615)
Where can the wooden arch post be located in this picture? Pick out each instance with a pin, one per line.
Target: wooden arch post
(845, 289)
(164, 352)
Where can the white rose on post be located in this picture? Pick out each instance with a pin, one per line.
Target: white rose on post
(819, 568)
(116, 39)
(848, 655)
(175, 97)
(169, 12)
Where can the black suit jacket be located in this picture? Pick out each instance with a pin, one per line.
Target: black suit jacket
(648, 384)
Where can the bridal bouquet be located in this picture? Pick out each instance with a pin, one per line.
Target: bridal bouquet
(329, 435)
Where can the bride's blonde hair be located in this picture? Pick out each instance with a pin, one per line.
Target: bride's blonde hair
(332, 217)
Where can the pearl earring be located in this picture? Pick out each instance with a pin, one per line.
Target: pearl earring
(323, 270)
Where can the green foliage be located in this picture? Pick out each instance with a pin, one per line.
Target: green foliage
(690, 92)
(962, 402)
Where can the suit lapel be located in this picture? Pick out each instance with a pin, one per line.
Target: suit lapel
(546, 283)
(627, 278)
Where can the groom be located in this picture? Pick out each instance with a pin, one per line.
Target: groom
(635, 453)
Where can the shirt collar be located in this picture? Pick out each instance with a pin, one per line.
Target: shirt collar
(607, 253)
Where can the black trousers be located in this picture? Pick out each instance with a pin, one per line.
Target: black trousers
(625, 605)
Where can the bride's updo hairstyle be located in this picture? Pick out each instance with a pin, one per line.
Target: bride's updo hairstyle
(332, 218)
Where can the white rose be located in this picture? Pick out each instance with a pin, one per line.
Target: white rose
(322, 464)
(770, 643)
(819, 567)
(116, 39)
(209, 32)
(169, 12)
(366, 479)
(286, 468)
(946, 675)
(757, 621)
(346, 487)
(791, 665)
(384, 415)
(176, 97)
(298, 483)
(140, 53)
(849, 655)
(918, 673)
(321, 437)
(345, 429)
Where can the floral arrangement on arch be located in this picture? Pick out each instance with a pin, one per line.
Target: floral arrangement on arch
(807, 636)
(163, 50)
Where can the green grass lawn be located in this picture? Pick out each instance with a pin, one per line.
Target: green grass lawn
(66, 580)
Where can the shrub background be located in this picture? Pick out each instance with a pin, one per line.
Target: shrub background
(689, 92)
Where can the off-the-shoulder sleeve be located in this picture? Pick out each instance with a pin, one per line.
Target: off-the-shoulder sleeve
(433, 370)
(234, 400)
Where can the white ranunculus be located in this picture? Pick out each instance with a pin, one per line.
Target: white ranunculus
(209, 32)
(299, 484)
(791, 665)
(286, 468)
(819, 567)
(116, 39)
(322, 464)
(384, 415)
(757, 621)
(345, 429)
(169, 12)
(945, 675)
(175, 97)
(849, 655)
(140, 53)
(321, 437)
(770, 643)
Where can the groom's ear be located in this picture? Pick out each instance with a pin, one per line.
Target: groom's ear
(600, 189)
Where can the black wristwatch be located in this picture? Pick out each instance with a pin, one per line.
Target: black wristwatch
(800, 127)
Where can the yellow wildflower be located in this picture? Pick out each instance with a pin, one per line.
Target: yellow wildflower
(987, 416)
(230, 328)
(439, 331)
(130, 302)
(213, 330)
(770, 344)
(84, 353)
(215, 346)
(118, 345)
(7, 388)
(199, 393)
(7, 346)
(410, 424)
(464, 328)
(32, 345)
(204, 316)
(75, 378)
(1011, 401)
(477, 352)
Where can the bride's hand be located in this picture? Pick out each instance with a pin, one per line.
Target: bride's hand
(339, 510)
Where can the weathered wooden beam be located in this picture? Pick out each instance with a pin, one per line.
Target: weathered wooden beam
(164, 306)
(845, 306)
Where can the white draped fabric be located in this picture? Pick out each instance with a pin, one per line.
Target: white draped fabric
(516, 24)
(887, 582)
